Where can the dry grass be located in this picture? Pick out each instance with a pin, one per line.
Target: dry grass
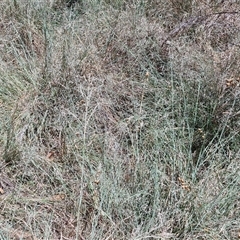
(119, 120)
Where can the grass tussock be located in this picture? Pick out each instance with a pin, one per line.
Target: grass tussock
(119, 119)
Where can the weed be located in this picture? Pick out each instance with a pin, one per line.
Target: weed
(119, 120)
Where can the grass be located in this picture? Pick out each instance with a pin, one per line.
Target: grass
(119, 120)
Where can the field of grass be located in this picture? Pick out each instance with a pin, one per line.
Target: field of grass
(119, 119)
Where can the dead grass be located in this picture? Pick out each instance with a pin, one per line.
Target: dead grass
(119, 120)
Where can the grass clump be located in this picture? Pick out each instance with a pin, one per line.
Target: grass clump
(119, 120)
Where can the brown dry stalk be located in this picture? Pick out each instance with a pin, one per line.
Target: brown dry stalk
(189, 23)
